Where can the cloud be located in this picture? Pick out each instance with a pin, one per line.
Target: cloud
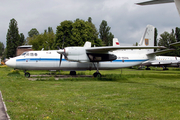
(126, 19)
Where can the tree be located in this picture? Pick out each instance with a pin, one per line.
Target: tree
(95, 40)
(177, 33)
(1, 48)
(50, 29)
(63, 32)
(76, 33)
(105, 35)
(155, 38)
(32, 32)
(44, 40)
(12, 38)
(166, 39)
(21, 39)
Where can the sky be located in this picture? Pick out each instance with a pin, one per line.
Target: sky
(126, 19)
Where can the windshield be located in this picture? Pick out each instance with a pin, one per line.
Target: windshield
(23, 54)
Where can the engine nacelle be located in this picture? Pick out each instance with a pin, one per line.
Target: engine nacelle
(77, 54)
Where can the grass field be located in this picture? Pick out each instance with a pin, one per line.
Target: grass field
(134, 94)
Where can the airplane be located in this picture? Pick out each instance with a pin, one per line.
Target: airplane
(88, 58)
(162, 61)
(177, 2)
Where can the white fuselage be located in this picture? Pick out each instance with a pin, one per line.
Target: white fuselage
(49, 60)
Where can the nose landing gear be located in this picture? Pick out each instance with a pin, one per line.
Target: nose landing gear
(26, 74)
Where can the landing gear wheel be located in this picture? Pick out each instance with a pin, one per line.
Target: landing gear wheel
(148, 69)
(165, 69)
(97, 74)
(72, 72)
(26, 74)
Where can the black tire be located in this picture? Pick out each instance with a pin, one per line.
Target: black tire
(72, 72)
(148, 68)
(26, 74)
(97, 74)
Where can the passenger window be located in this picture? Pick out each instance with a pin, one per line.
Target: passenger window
(31, 54)
(35, 54)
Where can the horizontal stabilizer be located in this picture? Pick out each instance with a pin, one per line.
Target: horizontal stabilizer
(175, 44)
(155, 2)
(161, 52)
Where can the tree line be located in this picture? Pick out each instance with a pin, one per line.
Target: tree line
(68, 33)
(73, 33)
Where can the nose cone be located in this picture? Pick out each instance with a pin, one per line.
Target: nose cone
(11, 63)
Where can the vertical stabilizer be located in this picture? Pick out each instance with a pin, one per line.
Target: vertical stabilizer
(148, 37)
(87, 44)
(115, 42)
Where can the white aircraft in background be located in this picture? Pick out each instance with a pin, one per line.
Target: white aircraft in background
(87, 57)
(162, 61)
(177, 2)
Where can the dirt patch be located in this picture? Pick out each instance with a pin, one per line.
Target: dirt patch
(56, 77)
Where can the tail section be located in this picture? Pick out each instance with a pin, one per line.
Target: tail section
(148, 37)
(115, 42)
(87, 44)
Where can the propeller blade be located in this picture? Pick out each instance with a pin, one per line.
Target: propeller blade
(60, 60)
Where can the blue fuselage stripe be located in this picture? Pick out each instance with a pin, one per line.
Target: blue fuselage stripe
(57, 59)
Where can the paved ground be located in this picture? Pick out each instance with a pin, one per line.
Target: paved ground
(3, 115)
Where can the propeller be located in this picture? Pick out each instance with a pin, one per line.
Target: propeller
(61, 52)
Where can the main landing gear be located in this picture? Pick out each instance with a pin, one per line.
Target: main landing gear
(26, 74)
(165, 68)
(148, 68)
(97, 73)
(72, 72)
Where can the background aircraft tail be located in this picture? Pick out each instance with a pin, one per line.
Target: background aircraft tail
(115, 42)
(148, 38)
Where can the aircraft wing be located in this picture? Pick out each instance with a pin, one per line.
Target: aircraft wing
(112, 48)
(161, 52)
(155, 2)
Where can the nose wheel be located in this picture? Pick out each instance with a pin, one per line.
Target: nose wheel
(26, 74)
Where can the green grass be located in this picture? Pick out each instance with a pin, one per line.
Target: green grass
(134, 94)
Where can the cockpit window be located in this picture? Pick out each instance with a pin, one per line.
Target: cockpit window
(27, 54)
(24, 53)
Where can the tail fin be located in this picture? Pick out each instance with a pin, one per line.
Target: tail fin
(87, 44)
(115, 42)
(148, 37)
